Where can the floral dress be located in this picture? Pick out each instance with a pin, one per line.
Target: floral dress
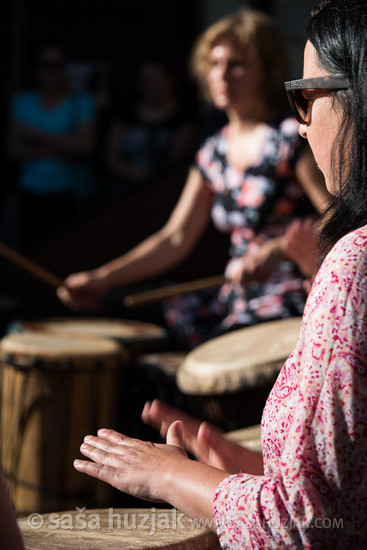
(252, 206)
(313, 494)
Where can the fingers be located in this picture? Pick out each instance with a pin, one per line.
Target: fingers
(206, 441)
(157, 414)
(175, 435)
(116, 437)
(65, 296)
(214, 449)
(145, 415)
(110, 447)
(77, 280)
(103, 444)
(99, 471)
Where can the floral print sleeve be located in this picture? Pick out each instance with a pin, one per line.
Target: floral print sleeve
(313, 493)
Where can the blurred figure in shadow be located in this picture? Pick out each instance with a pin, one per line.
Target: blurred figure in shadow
(152, 133)
(51, 137)
(10, 537)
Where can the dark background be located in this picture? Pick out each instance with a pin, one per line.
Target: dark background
(105, 40)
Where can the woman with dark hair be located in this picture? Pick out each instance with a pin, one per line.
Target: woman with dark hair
(252, 178)
(313, 486)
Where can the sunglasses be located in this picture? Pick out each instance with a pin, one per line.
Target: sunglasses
(298, 92)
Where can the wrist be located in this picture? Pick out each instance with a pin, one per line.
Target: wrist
(278, 248)
(170, 477)
(100, 278)
(190, 486)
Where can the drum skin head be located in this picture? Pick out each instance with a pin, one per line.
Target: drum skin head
(121, 330)
(26, 346)
(244, 358)
(134, 529)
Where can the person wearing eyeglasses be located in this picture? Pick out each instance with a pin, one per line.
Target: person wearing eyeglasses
(251, 178)
(51, 137)
(309, 487)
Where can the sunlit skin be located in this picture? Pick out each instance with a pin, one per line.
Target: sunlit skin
(164, 472)
(234, 80)
(325, 118)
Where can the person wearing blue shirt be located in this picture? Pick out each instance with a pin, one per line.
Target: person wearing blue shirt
(51, 136)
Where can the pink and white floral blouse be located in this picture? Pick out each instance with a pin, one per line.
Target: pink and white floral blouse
(313, 493)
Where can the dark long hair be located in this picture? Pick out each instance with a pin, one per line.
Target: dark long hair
(338, 31)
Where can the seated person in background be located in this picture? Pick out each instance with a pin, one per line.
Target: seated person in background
(10, 538)
(308, 490)
(252, 178)
(153, 132)
(51, 137)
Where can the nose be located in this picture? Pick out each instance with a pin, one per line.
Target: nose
(224, 70)
(303, 130)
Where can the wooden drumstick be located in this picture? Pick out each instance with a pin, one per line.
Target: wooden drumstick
(31, 267)
(141, 298)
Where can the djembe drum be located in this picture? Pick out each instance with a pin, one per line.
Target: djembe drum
(137, 338)
(228, 379)
(54, 391)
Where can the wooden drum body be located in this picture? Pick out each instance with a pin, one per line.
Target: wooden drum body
(228, 379)
(154, 376)
(130, 529)
(157, 373)
(54, 391)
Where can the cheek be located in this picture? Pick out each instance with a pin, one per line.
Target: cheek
(212, 78)
(322, 131)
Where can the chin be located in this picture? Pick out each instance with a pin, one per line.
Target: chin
(221, 104)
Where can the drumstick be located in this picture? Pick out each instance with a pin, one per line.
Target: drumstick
(31, 267)
(148, 296)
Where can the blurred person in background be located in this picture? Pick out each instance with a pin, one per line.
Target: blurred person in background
(51, 137)
(152, 131)
(253, 177)
(10, 537)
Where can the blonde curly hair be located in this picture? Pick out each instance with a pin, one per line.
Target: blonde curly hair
(255, 33)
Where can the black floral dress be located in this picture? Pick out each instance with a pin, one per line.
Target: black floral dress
(252, 206)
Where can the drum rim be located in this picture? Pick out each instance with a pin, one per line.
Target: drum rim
(31, 354)
(192, 381)
(159, 332)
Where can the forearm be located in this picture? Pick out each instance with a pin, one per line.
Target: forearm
(191, 488)
(152, 257)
